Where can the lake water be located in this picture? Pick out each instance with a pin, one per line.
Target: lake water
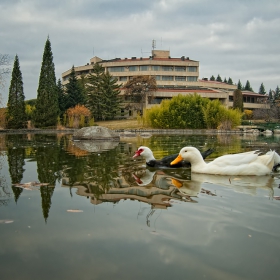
(103, 215)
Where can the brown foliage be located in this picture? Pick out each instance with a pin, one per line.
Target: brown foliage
(140, 89)
(78, 110)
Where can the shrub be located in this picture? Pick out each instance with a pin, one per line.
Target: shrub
(193, 112)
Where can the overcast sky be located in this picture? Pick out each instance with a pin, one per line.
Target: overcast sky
(233, 38)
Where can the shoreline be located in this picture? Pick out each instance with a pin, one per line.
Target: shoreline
(124, 131)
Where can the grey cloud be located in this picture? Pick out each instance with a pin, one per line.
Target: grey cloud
(237, 39)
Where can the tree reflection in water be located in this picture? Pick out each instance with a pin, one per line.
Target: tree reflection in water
(112, 175)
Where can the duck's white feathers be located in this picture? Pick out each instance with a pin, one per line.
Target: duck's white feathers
(249, 163)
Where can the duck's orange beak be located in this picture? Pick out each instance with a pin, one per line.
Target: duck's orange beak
(176, 183)
(176, 160)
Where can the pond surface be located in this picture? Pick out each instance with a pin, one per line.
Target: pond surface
(99, 214)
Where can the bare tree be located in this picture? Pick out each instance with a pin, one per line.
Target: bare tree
(4, 70)
(139, 90)
(268, 114)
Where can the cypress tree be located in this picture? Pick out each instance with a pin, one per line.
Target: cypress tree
(225, 80)
(212, 78)
(47, 109)
(262, 89)
(238, 100)
(74, 93)
(16, 116)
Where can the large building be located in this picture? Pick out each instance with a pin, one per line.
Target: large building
(173, 75)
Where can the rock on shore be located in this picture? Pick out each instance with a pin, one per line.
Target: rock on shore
(95, 133)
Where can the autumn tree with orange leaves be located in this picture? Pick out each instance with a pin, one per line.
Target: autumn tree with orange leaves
(78, 116)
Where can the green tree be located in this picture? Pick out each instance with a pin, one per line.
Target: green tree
(94, 91)
(212, 78)
(111, 97)
(248, 86)
(16, 115)
(225, 80)
(219, 79)
(230, 82)
(61, 98)
(139, 90)
(82, 81)
(74, 92)
(238, 100)
(262, 89)
(47, 109)
(239, 85)
(270, 96)
(277, 94)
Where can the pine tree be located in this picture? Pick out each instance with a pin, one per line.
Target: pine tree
(47, 109)
(262, 89)
(277, 93)
(95, 98)
(212, 78)
(74, 93)
(248, 86)
(270, 96)
(238, 100)
(230, 82)
(61, 98)
(239, 85)
(16, 116)
(219, 79)
(111, 98)
(225, 80)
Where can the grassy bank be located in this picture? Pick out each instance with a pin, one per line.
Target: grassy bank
(121, 124)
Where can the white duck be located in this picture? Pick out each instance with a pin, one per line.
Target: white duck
(164, 162)
(248, 163)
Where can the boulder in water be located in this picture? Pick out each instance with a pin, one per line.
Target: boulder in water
(96, 133)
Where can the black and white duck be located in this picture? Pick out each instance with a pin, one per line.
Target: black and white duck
(165, 162)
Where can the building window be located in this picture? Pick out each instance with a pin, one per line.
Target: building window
(155, 68)
(123, 79)
(191, 79)
(230, 98)
(192, 69)
(167, 78)
(167, 68)
(157, 77)
(144, 68)
(180, 68)
(180, 78)
(116, 69)
(133, 68)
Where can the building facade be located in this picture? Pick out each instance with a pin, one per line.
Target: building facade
(173, 75)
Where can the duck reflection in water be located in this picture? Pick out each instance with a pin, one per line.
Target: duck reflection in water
(179, 189)
(191, 186)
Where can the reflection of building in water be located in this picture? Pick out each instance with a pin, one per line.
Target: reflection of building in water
(156, 189)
